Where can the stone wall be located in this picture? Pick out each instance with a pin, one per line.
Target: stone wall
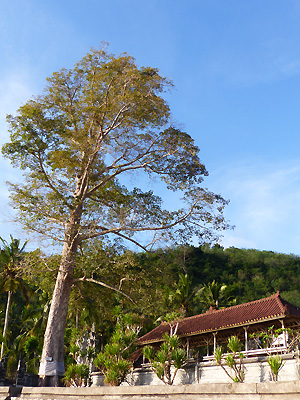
(223, 391)
(256, 370)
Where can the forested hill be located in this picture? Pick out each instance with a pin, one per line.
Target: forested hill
(253, 274)
(157, 285)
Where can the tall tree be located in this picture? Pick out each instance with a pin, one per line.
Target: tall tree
(10, 280)
(77, 143)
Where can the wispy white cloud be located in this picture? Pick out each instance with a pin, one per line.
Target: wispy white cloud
(267, 67)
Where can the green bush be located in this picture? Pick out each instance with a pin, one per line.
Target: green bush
(276, 364)
(77, 375)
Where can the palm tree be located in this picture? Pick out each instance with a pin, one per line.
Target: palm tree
(215, 295)
(10, 279)
(181, 297)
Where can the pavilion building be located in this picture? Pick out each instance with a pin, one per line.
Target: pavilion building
(215, 326)
(201, 334)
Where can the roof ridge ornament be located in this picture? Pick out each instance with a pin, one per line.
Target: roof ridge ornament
(210, 310)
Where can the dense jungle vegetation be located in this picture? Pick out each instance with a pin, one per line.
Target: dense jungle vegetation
(157, 283)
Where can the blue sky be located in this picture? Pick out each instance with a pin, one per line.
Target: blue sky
(236, 69)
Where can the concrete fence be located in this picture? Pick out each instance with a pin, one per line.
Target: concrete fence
(221, 391)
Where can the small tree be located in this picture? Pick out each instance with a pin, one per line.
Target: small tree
(233, 360)
(114, 360)
(168, 359)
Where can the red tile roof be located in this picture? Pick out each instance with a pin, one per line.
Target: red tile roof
(269, 308)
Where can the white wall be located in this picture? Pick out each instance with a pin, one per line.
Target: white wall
(256, 370)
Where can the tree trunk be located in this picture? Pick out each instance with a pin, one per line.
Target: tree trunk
(52, 361)
(52, 366)
(6, 321)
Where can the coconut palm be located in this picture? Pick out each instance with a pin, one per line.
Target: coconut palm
(10, 280)
(182, 295)
(215, 295)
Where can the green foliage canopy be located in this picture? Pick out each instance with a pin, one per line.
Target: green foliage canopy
(94, 123)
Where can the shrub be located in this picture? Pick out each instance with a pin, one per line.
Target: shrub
(276, 363)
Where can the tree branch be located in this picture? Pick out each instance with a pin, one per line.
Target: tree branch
(118, 229)
(104, 285)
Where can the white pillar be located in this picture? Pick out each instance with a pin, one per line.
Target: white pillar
(215, 340)
(246, 338)
(284, 334)
(187, 348)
